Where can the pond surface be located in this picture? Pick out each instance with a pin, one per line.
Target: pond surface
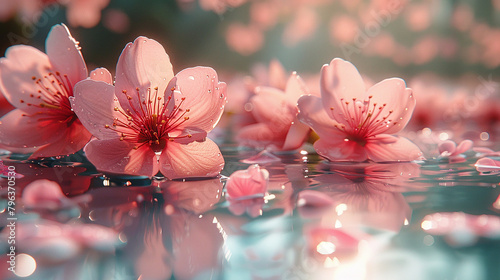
(424, 220)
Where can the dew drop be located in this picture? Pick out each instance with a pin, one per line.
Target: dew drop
(191, 78)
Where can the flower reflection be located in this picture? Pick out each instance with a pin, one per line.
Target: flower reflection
(367, 195)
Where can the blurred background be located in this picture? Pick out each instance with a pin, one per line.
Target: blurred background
(447, 51)
(451, 38)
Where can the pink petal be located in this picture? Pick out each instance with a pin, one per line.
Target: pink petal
(385, 148)
(196, 159)
(296, 136)
(101, 74)
(271, 106)
(399, 100)
(340, 82)
(464, 146)
(295, 88)
(487, 165)
(118, 156)
(336, 149)
(17, 68)
(64, 54)
(143, 64)
(261, 135)
(204, 95)
(94, 103)
(447, 148)
(247, 183)
(72, 140)
(277, 75)
(19, 130)
(312, 113)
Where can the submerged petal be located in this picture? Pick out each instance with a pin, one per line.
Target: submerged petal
(118, 156)
(64, 54)
(196, 159)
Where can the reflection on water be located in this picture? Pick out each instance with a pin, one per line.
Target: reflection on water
(317, 220)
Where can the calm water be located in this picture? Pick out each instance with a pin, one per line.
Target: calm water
(319, 221)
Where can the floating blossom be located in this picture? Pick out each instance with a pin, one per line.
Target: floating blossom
(355, 124)
(246, 190)
(450, 150)
(276, 113)
(39, 86)
(151, 121)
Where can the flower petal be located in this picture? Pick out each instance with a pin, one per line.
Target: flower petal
(447, 148)
(340, 82)
(64, 54)
(204, 95)
(94, 103)
(464, 146)
(72, 140)
(296, 136)
(399, 101)
(118, 156)
(313, 114)
(295, 87)
(101, 74)
(17, 68)
(261, 135)
(385, 148)
(21, 131)
(143, 64)
(196, 159)
(249, 183)
(271, 106)
(337, 149)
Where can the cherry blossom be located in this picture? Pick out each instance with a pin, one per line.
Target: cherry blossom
(355, 124)
(276, 112)
(151, 121)
(39, 86)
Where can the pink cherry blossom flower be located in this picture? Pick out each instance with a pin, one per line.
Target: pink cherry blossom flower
(276, 113)
(246, 190)
(355, 124)
(39, 86)
(151, 121)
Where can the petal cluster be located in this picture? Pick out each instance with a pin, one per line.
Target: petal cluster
(151, 120)
(356, 124)
(39, 85)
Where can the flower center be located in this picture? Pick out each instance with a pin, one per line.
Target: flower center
(52, 98)
(151, 122)
(363, 119)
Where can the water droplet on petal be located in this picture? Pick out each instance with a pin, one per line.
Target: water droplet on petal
(191, 78)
